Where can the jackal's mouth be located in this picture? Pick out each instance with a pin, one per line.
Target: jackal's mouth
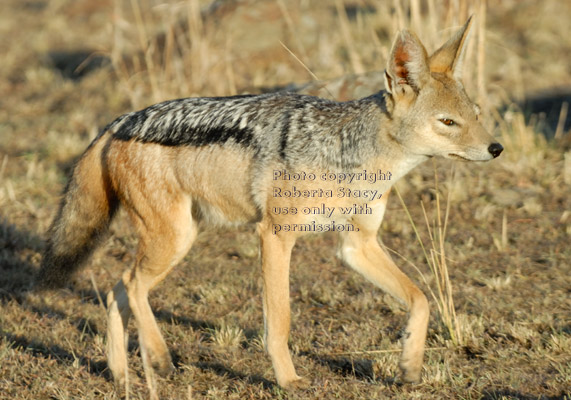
(458, 157)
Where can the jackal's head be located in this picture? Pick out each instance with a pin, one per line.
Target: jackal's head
(432, 113)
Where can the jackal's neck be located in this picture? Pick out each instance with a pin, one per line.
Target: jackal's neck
(389, 154)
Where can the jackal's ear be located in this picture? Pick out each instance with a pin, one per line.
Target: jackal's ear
(408, 64)
(449, 58)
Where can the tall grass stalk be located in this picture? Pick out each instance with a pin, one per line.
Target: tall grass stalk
(435, 256)
(155, 66)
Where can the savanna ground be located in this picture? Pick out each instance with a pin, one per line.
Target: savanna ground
(506, 244)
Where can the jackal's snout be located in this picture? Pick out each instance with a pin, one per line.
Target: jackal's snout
(495, 149)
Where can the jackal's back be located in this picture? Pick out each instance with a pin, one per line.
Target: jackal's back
(291, 128)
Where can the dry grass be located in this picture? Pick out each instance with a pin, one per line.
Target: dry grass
(503, 237)
(437, 260)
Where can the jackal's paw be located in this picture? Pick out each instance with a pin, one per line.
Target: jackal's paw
(119, 382)
(164, 366)
(296, 384)
(410, 371)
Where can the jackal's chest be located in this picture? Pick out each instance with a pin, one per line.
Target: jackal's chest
(326, 198)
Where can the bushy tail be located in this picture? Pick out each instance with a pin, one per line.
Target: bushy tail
(85, 212)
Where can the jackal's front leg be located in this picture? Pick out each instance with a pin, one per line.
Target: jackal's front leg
(362, 252)
(276, 252)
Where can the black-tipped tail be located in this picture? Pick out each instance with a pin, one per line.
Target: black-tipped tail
(85, 212)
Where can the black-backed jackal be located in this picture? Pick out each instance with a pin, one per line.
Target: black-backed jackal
(293, 164)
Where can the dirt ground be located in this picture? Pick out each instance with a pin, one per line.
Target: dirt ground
(71, 66)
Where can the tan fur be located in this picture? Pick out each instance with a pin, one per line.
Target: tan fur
(167, 190)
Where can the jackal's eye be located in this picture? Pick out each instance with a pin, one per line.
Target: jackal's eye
(447, 121)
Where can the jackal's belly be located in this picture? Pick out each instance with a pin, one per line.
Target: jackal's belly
(219, 181)
(217, 208)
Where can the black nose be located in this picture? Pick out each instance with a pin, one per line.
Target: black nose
(495, 149)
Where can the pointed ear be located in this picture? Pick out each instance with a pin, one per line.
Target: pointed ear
(449, 58)
(407, 65)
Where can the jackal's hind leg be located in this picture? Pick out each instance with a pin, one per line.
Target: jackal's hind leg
(165, 238)
(118, 313)
(362, 252)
